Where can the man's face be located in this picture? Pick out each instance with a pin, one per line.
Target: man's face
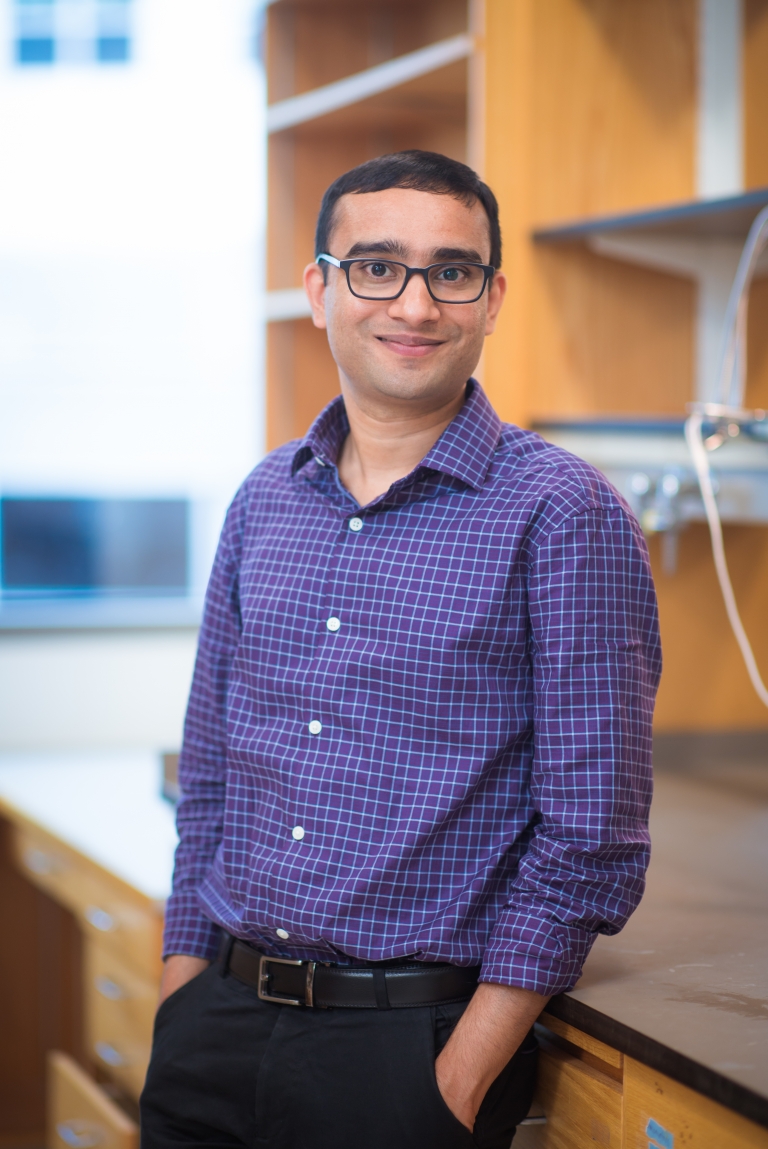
(410, 348)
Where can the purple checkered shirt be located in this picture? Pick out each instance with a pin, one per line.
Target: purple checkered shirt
(421, 727)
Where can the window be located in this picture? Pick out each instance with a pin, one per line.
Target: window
(72, 31)
(85, 548)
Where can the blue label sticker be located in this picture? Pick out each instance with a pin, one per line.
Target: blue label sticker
(660, 1135)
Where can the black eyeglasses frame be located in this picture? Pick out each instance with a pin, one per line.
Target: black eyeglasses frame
(345, 264)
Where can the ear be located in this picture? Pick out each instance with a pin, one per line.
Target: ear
(314, 285)
(496, 293)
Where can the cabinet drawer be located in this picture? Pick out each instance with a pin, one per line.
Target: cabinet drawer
(583, 1106)
(120, 1011)
(107, 909)
(661, 1114)
(80, 1115)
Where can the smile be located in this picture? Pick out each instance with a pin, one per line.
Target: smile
(410, 346)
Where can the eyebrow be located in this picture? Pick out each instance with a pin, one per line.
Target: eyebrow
(393, 247)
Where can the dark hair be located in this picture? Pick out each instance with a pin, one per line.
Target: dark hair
(420, 171)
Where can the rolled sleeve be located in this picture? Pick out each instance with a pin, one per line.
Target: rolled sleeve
(596, 665)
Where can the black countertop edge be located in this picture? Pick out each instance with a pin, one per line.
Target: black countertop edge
(660, 1057)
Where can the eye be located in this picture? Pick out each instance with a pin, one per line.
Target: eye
(376, 269)
(452, 274)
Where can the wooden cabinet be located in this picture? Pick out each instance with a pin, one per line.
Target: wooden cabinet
(110, 912)
(662, 1114)
(121, 965)
(121, 951)
(582, 1104)
(591, 1095)
(82, 1116)
(120, 1007)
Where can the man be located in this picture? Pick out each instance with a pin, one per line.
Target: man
(417, 750)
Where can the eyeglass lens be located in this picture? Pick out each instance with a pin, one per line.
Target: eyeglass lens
(449, 282)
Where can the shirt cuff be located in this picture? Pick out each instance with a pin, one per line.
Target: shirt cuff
(535, 953)
(187, 930)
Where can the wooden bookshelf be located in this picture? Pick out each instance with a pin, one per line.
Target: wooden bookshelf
(310, 44)
(573, 110)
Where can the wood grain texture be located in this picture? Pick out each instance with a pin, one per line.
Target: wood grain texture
(510, 62)
(613, 105)
(590, 109)
(692, 1119)
(755, 93)
(583, 1106)
(40, 997)
(704, 685)
(582, 1040)
(608, 337)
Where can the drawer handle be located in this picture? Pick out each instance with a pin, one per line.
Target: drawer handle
(534, 1120)
(109, 1054)
(100, 919)
(40, 863)
(80, 1134)
(109, 988)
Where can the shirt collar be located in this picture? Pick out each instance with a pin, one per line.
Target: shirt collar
(464, 450)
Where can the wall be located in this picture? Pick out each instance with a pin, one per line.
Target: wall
(99, 690)
(131, 212)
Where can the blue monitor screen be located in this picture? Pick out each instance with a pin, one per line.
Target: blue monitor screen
(58, 546)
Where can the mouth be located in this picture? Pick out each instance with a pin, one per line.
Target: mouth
(410, 346)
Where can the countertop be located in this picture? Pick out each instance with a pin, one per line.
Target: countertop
(684, 987)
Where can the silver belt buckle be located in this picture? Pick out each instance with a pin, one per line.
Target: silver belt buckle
(263, 987)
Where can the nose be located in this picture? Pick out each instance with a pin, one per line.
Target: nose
(415, 305)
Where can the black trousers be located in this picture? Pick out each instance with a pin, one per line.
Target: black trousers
(229, 1070)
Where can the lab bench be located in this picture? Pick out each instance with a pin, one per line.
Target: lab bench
(663, 1044)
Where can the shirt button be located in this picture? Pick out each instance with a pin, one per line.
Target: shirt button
(333, 624)
(315, 727)
(281, 933)
(297, 832)
(356, 524)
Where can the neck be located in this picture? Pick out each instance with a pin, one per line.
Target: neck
(387, 440)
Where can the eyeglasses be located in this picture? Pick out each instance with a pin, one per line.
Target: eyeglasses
(384, 279)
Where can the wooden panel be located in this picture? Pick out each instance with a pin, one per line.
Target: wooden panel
(315, 43)
(704, 685)
(120, 1013)
(509, 72)
(583, 1106)
(684, 1117)
(583, 1040)
(613, 105)
(755, 93)
(590, 108)
(106, 908)
(40, 998)
(608, 337)
(757, 341)
(81, 1114)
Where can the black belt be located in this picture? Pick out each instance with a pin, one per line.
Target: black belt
(313, 983)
